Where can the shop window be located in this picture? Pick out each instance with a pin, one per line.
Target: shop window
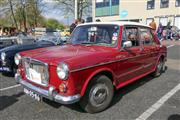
(164, 4)
(115, 2)
(177, 3)
(150, 4)
(148, 21)
(163, 21)
(177, 22)
(105, 8)
(102, 3)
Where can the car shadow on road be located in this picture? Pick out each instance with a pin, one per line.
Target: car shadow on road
(6, 74)
(52, 103)
(56, 105)
(129, 88)
(6, 101)
(174, 117)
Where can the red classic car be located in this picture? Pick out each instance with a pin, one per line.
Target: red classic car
(100, 57)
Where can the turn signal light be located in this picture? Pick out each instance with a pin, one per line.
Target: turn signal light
(62, 88)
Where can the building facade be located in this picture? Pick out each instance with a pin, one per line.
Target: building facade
(137, 10)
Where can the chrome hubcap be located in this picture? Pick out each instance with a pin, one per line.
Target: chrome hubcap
(159, 67)
(98, 94)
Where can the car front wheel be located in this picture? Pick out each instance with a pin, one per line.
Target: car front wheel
(98, 95)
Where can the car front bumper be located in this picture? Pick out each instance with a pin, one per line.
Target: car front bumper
(49, 94)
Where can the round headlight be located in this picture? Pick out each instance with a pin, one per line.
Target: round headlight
(3, 56)
(63, 71)
(17, 59)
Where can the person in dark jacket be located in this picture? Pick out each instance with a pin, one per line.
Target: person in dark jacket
(73, 25)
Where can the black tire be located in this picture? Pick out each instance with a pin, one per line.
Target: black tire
(160, 68)
(98, 95)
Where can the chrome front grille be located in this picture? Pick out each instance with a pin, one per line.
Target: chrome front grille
(36, 71)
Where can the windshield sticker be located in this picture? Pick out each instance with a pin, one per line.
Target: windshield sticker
(114, 38)
(93, 28)
(115, 34)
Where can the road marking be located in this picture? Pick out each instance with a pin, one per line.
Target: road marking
(170, 46)
(158, 104)
(7, 88)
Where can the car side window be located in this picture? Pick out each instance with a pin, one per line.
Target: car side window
(146, 36)
(131, 34)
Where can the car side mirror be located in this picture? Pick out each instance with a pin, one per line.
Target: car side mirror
(127, 44)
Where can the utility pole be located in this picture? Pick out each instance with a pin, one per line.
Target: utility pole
(76, 9)
(24, 14)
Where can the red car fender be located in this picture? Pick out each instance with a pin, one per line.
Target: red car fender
(83, 90)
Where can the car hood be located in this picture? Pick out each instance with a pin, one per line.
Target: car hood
(11, 50)
(76, 56)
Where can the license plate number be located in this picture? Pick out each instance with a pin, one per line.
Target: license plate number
(5, 69)
(34, 76)
(32, 94)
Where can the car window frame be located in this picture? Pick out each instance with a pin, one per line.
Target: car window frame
(151, 32)
(124, 30)
(111, 46)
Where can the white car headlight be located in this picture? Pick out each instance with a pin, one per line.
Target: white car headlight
(17, 59)
(63, 71)
(3, 56)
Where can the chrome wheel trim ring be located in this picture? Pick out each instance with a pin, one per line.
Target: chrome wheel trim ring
(98, 94)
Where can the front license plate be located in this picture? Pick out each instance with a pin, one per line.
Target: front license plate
(34, 76)
(32, 94)
(4, 69)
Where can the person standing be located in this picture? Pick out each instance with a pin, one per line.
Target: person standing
(82, 21)
(153, 24)
(159, 31)
(169, 32)
(73, 25)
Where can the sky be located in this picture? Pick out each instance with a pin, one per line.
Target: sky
(54, 12)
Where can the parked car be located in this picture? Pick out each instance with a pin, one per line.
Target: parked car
(7, 41)
(101, 56)
(21, 38)
(7, 64)
(175, 33)
(65, 32)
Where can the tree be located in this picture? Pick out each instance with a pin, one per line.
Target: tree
(54, 24)
(22, 13)
(7, 6)
(68, 6)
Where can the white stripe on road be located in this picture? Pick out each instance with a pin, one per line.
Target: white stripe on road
(7, 88)
(158, 104)
(170, 46)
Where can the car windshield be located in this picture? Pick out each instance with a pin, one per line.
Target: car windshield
(106, 35)
(52, 37)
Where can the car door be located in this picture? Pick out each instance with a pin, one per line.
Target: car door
(149, 52)
(133, 64)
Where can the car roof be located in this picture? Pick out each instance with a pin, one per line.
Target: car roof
(119, 23)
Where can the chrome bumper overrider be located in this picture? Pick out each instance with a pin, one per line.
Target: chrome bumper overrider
(50, 94)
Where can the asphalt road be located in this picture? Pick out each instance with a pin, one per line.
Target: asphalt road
(140, 100)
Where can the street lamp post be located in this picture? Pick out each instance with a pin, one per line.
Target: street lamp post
(76, 9)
